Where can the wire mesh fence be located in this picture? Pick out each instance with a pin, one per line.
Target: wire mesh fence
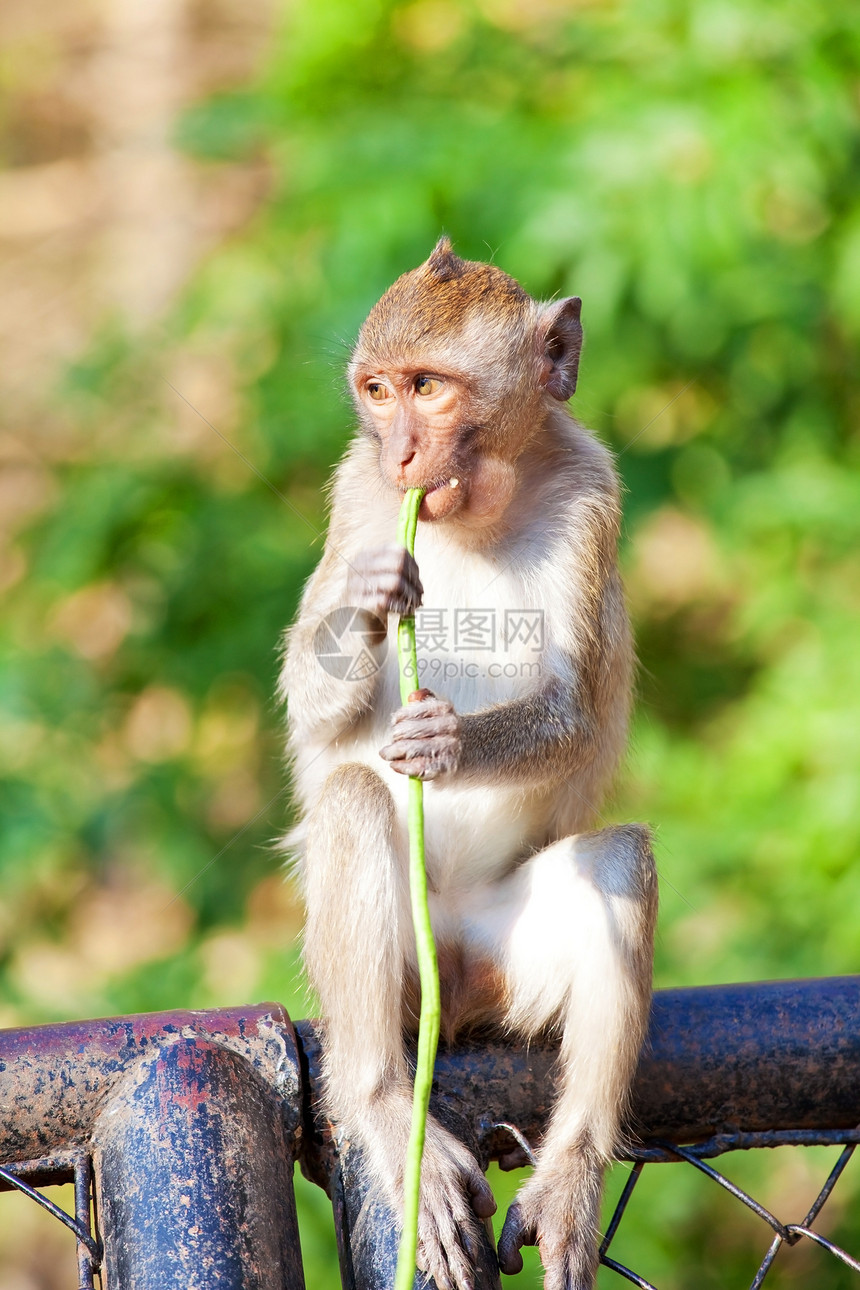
(29, 1177)
(783, 1233)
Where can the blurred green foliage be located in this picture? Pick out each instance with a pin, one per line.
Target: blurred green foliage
(690, 168)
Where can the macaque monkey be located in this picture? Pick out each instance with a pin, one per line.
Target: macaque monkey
(460, 381)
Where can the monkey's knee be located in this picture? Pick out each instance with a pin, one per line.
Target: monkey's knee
(351, 872)
(622, 862)
(352, 781)
(626, 876)
(354, 809)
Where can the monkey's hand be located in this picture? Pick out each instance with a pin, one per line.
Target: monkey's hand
(385, 580)
(426, 740)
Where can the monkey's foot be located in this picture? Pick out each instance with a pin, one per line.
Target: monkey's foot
(454, 1196)
(557, 1210)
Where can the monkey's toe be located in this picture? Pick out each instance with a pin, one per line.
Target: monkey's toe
(557, 1212)
(447, 1245)
(516, 1158)
(483, 1200)
(514, 1235)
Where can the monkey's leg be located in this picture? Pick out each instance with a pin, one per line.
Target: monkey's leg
(575, 927)
(358, 941)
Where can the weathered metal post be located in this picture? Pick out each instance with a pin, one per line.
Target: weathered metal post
(368, 1234)
(191, 1121)
(194, 1173)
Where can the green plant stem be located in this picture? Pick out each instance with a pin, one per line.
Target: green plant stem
(428, 972)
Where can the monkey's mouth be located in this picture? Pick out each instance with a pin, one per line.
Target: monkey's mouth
(442, 499)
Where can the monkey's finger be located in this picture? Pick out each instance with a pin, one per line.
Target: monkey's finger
(439, 752)
(399, 596)
(420, 703)
(447, 1249)
(462, 1255)
(381, 598)
(461, 1249)
(394, 566)
(514, 1236)
(391, 555)
(420, 709)
(385, 587)
(423, 729)
(410, 588)
(384, 560)
(423, 742)
(469, 1241)
(419, 768)
(434, 1268)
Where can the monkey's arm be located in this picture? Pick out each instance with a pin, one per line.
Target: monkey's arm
(576, 718)
(526, 741)
(544, 736)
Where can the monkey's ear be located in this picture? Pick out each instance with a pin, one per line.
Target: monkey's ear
(561, 340)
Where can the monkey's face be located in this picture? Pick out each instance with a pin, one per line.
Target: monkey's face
(425, 441)
(429, 437)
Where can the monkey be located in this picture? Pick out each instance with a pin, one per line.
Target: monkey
(543, 921)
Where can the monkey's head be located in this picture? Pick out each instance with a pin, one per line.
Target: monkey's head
(454, 373)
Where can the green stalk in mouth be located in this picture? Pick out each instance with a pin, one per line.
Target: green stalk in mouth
(428, 971)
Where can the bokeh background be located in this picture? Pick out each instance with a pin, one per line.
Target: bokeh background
(199, 201)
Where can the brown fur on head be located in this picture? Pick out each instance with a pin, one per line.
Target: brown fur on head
(500, 360)
(431, 307)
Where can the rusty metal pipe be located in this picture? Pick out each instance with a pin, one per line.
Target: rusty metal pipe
(718, 1059)
(54, 1080)
(778, 1055)
(782, 1055)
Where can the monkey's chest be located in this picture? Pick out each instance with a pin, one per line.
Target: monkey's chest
(480, 632)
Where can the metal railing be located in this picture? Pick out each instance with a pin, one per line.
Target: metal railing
(180, 1130)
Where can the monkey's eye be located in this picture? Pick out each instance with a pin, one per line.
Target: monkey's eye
(377, 391)
(427, 385)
